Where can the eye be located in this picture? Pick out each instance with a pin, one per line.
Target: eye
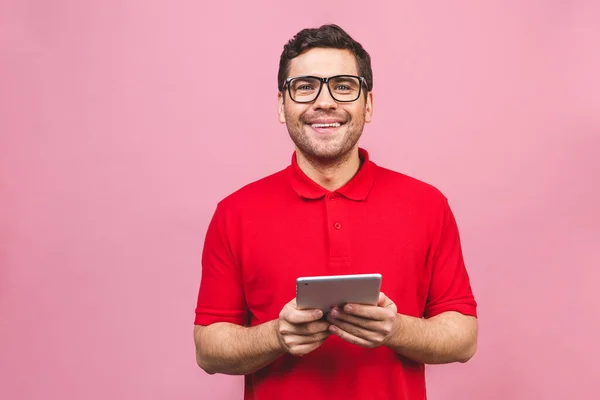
(304, 85)
(342, 87)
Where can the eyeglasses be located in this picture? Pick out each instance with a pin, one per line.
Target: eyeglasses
(342, 88)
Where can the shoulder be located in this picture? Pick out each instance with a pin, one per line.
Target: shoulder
(255, 193)
(395, 183)
(420, 200)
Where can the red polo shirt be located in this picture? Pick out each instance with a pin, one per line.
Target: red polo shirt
(272, 231)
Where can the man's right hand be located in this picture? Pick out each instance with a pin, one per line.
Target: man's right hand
(301, 331)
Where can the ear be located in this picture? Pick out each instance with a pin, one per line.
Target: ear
(369, 107)
(281, 107)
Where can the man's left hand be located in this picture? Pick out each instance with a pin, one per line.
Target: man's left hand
(364, 325)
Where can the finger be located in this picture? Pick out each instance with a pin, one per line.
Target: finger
(295, 316)
(367, 324)
(311, 328)
(353, 329)
(382, 299)
(296, 340)
(349, 337)
(303, 349)
(385, 301)
(307, 329)
(294, 305)
(374, 313)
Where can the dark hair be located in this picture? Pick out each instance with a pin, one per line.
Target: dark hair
(327, 36)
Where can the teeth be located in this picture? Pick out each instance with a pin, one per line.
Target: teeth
(335, 125)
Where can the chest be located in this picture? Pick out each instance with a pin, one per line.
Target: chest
(330, 238)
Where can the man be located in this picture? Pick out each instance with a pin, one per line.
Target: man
(332, 211)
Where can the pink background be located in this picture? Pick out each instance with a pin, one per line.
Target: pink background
(121, 128)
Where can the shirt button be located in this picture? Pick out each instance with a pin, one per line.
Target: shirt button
(337, 225)
(334, 196)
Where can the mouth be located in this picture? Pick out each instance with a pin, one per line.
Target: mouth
(325, 127)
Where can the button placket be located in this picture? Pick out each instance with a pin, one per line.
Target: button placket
(338, 236)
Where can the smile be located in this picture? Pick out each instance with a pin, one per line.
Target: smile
(334, 125)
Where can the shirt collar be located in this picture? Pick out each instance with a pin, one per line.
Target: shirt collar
(357, 188)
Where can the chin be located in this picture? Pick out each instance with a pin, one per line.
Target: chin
(328, 154)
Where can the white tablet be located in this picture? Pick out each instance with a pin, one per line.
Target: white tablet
(325, 292)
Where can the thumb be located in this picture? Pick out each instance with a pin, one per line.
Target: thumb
(382, 300)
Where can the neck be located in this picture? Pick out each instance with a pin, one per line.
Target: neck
(331, 175)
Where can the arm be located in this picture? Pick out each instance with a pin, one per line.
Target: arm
(236, 350)
(223, 344)
(232, 349)
(446, 338)
(448, 331)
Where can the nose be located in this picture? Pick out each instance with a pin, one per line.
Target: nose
(324, 101)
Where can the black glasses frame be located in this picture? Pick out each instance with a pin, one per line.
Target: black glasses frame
(322, 81)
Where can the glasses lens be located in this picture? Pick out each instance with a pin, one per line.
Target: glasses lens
(342, 88)
(345, 88)
(304, 89)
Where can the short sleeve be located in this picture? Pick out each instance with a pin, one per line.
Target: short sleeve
(221, 294)
(450, 287)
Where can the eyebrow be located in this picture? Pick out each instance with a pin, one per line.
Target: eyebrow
(324, 75)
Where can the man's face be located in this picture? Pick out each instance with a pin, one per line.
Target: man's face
(327, 144)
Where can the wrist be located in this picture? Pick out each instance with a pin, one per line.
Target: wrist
(398, 338)
(276, 343)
